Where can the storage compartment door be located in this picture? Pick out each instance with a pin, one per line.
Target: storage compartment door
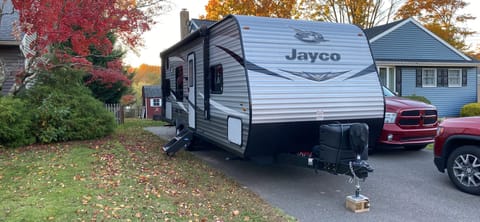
(235, 130)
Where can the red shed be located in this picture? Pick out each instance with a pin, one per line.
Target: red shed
(152, 101)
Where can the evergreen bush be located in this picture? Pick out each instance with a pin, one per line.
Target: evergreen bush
(64, 109)
(14, 123)
(471, 109)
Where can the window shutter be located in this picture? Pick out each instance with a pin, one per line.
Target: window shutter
(419, 78)
(464, 77)
(151, 102)
(442, 77)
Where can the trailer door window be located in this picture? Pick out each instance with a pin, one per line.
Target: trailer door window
(216, 79)
(190, 73)
(179, 83)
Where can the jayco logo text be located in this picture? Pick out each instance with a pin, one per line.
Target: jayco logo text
(313, 56)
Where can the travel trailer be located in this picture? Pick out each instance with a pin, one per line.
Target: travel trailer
(258, 86)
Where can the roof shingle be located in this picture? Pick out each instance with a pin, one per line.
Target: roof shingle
(377, 30)
(152, 91)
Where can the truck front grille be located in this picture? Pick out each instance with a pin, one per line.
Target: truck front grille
(410, 118)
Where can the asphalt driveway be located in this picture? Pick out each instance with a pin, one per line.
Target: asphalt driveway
(404, 187)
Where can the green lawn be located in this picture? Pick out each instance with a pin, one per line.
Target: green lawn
(124, 177)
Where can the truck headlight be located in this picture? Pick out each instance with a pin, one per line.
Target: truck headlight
(390, 117)
(440, 130)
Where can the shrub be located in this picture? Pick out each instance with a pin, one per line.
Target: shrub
(471, 109)
(15, 123)
(418, 98)
(64, 109)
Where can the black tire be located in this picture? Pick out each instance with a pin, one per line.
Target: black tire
(465, 160)
(415, 147)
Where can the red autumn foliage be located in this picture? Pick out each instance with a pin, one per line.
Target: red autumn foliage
(68, 30)
(85, 23)
(110, 75)
(127, 99)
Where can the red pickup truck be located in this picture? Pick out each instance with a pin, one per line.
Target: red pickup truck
(457, 149)
(408, 123)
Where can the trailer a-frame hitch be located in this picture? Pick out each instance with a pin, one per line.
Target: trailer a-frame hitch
(343, 149)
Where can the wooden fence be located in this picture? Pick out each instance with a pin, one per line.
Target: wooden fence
(118, 112)
(122, 112)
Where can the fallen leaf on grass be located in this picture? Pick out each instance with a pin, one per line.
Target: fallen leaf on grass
(235, 213)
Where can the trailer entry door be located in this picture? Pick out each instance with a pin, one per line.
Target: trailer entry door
(191, 90)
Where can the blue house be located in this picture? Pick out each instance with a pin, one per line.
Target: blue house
(411, 60)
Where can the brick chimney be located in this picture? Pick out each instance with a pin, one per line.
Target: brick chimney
(184, 18)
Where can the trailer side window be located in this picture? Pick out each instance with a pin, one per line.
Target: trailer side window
(216, 79)
(179, 83)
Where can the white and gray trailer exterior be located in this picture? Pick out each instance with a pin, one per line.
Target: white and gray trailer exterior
(263, 86)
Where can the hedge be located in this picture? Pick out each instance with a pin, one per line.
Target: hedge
(15, 123)
(471, 109)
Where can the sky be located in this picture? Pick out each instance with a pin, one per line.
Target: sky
(167, 31)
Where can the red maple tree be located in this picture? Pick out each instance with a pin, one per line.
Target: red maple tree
(69, 30)
(84, 23)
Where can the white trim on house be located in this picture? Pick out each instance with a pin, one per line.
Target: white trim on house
(388, 31)
(424, 64)
(14, 43)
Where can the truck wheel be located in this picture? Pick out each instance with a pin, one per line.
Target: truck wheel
(415, 147)
(463, 167)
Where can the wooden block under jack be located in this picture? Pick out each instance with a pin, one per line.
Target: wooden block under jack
(357, 204)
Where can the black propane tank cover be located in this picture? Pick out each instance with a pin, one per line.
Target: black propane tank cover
(359, 137)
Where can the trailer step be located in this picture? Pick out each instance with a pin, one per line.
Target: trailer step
(182, 140)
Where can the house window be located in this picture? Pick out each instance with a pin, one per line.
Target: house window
(156, 102)
(454, 78)
(216, 79)
(179, 83)
(429, 77)
(387, 77)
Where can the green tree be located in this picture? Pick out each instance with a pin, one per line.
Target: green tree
(442, 17)
(108, 79)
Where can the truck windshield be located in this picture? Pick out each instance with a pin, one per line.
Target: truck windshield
(387, 92)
